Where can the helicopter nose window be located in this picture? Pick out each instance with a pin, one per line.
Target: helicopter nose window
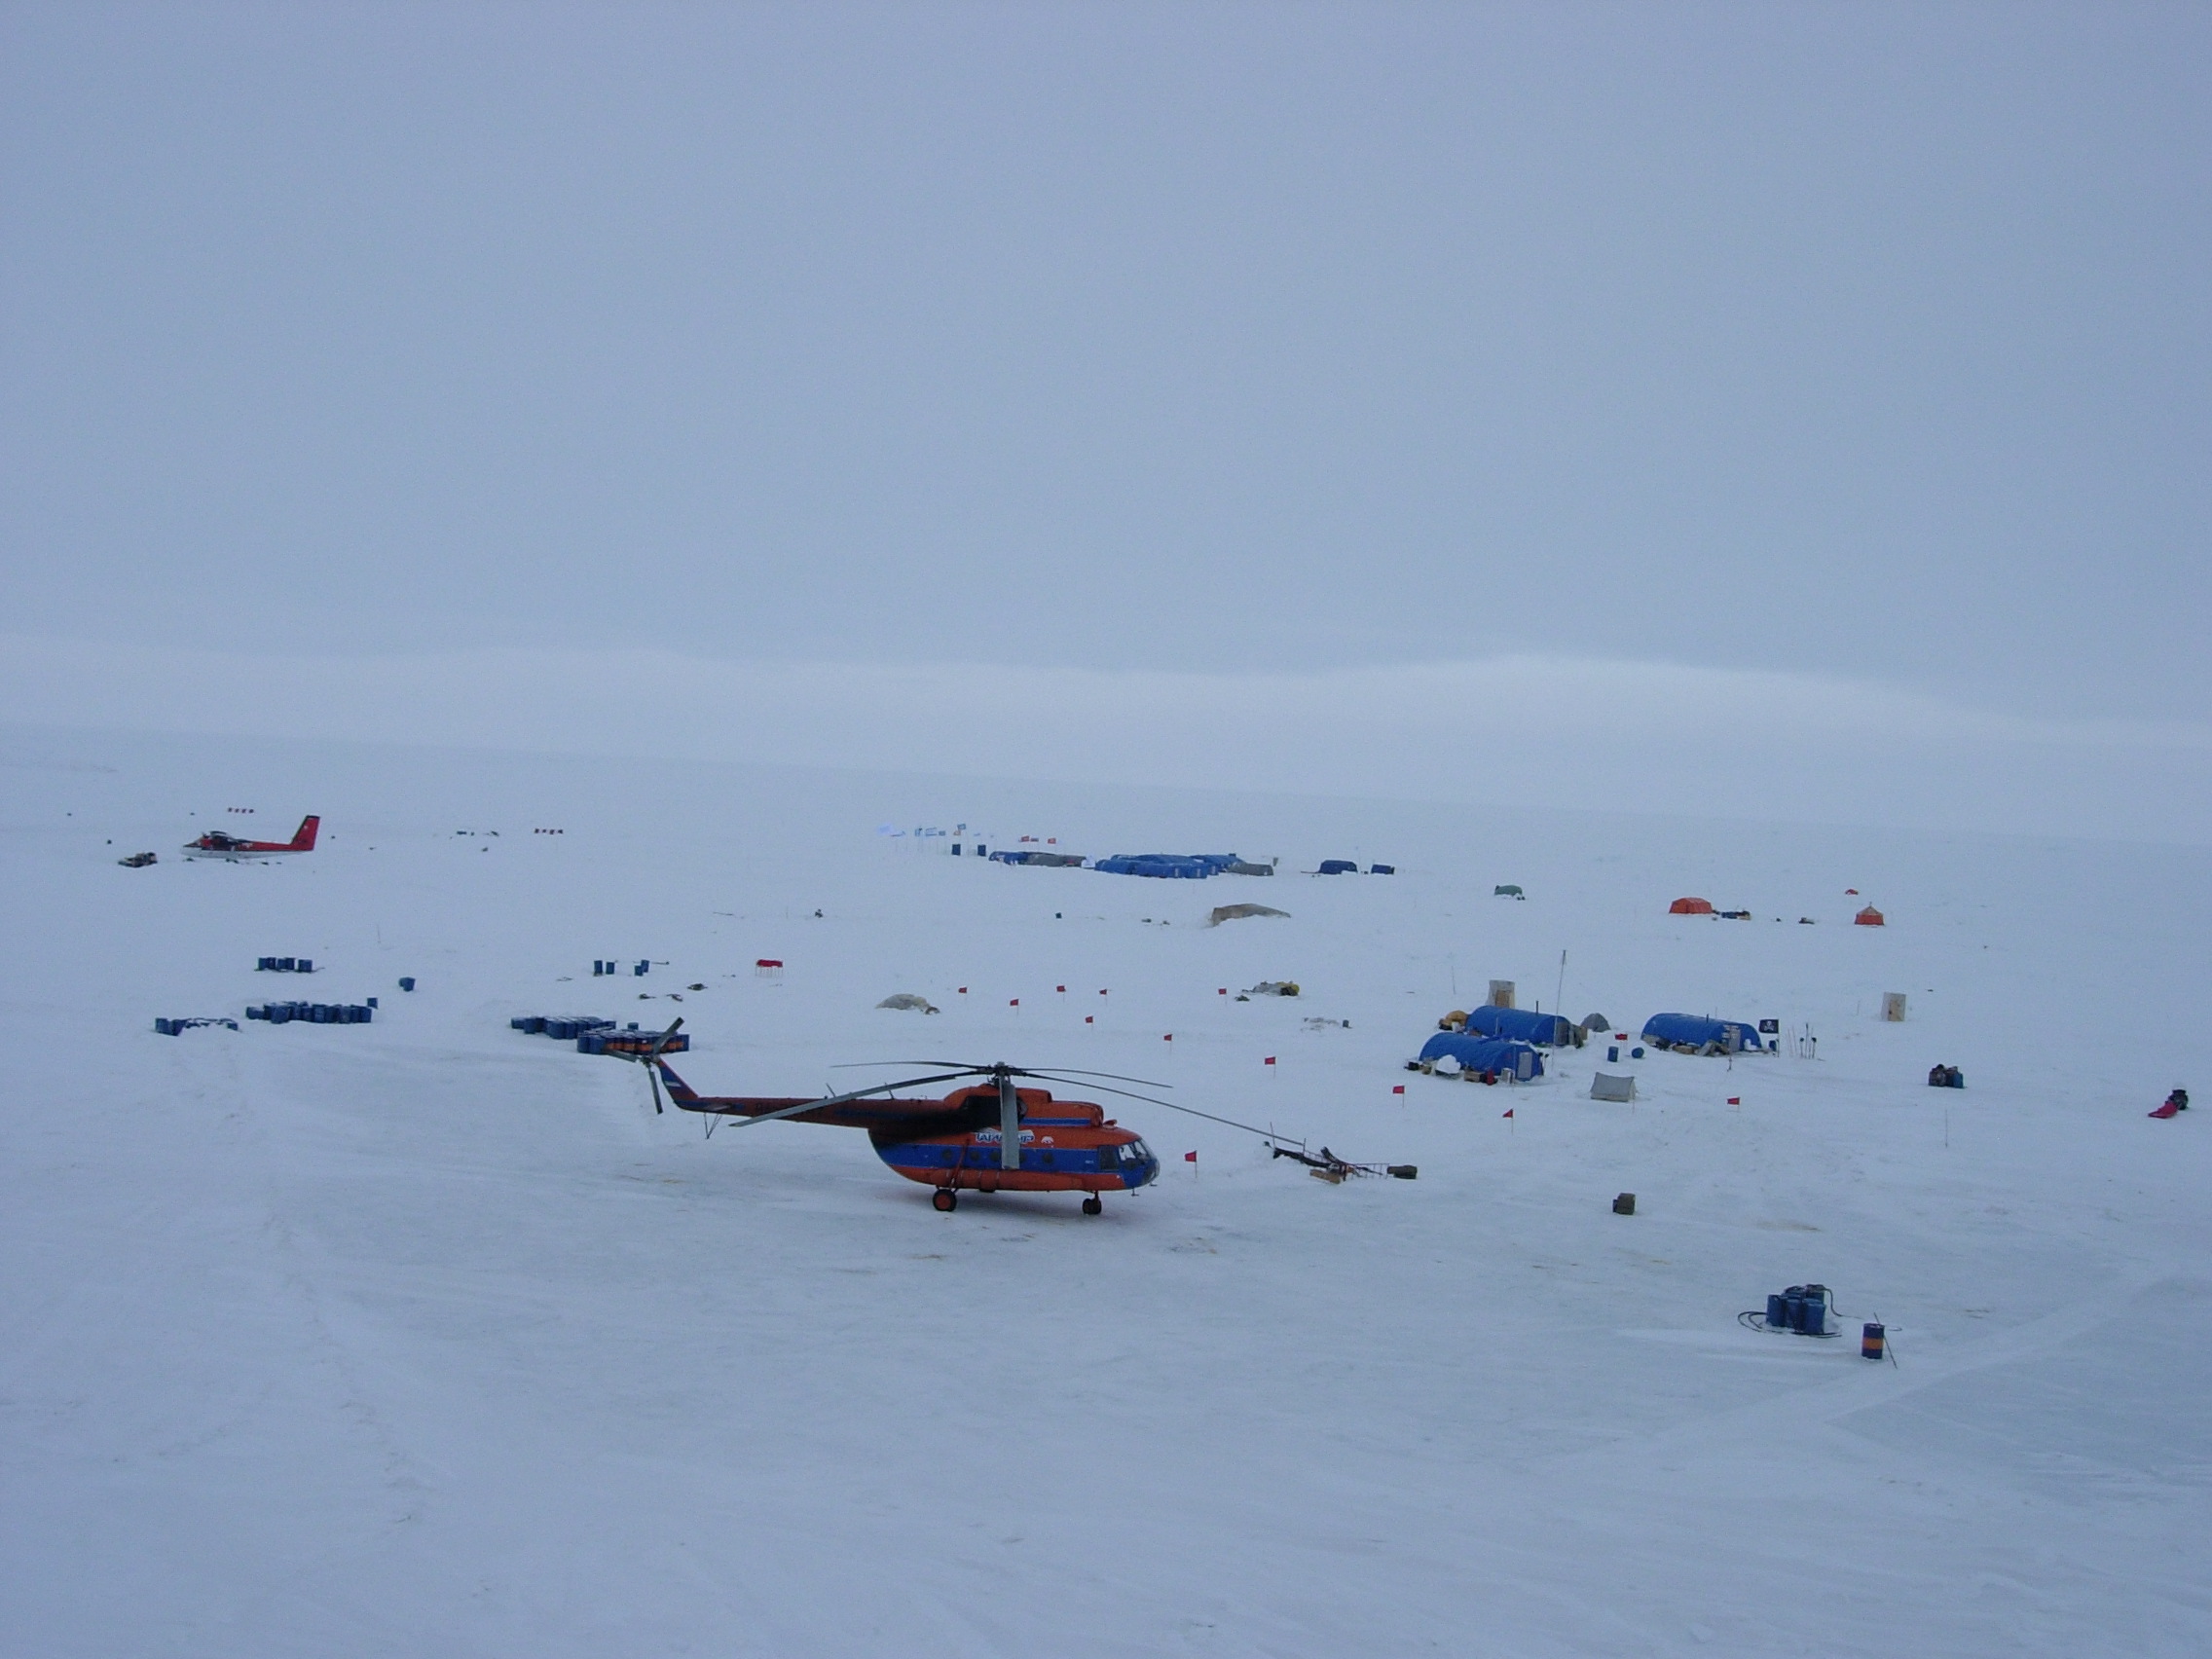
(1136, 1151)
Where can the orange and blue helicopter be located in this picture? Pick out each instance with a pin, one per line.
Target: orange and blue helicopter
(990, 1136)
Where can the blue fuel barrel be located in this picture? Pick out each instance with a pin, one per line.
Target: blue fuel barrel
(1794, 1309)
(264, 964)
(1635, 1054)
(1870, 1340)
(1815, 1310)
(163, 1028)
(307, 965)
(1613, 1055)
(372, 1001)
(520, 1023)
(365, 1013)
(279, 1013)
(284, 964)
(407, 984)
(1776, 1312)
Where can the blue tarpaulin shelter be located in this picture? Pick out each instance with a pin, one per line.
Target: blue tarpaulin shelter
(1495, 1055)
(1690, 1031)
(1519, 1023)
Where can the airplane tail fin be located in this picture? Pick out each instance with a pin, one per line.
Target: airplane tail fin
(303, 838)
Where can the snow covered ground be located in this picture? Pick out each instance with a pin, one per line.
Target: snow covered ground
(428, 1337)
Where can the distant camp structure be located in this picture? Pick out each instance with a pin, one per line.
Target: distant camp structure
(1870, 918)
(1690, 907)
(907, 999)
(1509, 890)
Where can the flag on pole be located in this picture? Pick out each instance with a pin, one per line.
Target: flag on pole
(1508, 1112)
(1735, 1100)
(1089, 1020)
(1062, 989)
(1398, 1089)
(1014, 1002)
(1190, 1157)
(1268, 1061)
(1168, 1037)
(963, 990)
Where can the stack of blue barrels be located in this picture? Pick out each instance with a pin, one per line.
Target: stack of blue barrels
(1174, 866)
(564, 1026)
(1802, 1308)
(315, 1013)
(285, 965)
(607, 1041)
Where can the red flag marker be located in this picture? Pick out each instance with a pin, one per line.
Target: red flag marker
(1398, 1089)
(1168, 1037)
(1102, 993)
(1224, 991)
(1268, 1061)
(1190, 1157)
(1062, 989)
(1014, 1002)
(1088, 1021)
(1508, 1113)
(963, 990)
(1735, 1100)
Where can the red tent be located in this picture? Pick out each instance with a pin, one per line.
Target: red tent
(1690, 907)
(1870, 918)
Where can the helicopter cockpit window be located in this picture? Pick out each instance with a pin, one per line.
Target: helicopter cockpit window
(1136, 1151)
(1109, 1157)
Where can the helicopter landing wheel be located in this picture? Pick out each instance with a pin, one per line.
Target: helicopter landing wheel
(943, 1198)
(1093, 1205)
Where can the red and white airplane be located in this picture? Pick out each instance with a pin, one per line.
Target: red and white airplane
(217, 845)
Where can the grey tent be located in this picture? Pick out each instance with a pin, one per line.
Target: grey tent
(1604, 1086)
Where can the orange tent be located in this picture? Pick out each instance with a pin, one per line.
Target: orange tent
(1870, 918)
(1690, 907)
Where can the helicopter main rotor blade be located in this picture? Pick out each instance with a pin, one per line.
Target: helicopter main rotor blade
(1067, 1072)
(1017, 1070)
(1191, 1111)
(747, 1119)
(862, 1065)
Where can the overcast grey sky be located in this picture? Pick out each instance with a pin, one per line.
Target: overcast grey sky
(1859, 343)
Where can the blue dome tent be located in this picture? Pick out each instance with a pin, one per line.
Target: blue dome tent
(1521, 1025)
(1495, 1055)
(1701, 1036)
